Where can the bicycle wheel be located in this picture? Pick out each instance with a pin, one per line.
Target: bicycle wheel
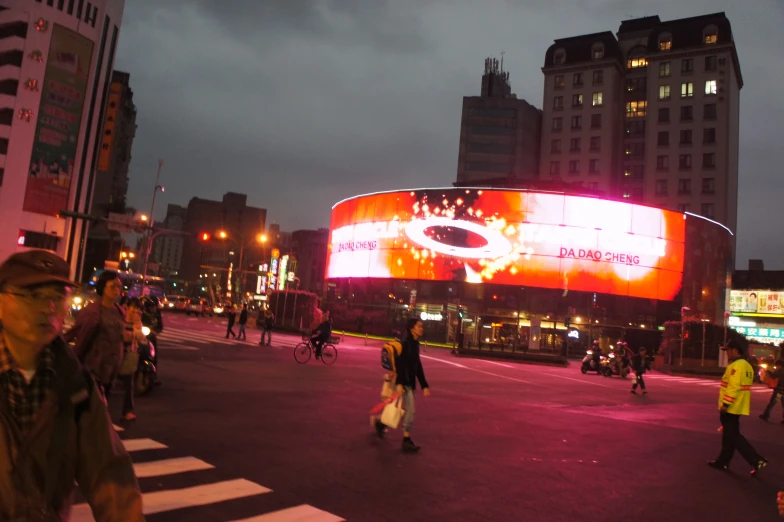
(302, 353)
(329, 354)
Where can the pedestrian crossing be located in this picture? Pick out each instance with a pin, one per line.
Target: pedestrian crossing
(692, 381)
(191, 340)
(199, 495)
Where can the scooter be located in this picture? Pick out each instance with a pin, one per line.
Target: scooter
(589, 365)
(614, 362)
(146, 373)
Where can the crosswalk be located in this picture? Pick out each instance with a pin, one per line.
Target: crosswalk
(692, 381)
(198, 495)
(195, 340)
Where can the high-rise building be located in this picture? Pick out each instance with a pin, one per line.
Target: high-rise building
(310, 251)
(167, 249)
(58, 58)
(499, 134)
(651, 116)
(242, 225)
(111, 179)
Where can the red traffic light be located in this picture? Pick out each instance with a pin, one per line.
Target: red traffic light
(205, 236)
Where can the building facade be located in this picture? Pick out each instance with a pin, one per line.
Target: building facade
(310, 251)
(58, 58)
(651, 116)
(111, 178)
(167, 249)
(242, 225)
(499, 134)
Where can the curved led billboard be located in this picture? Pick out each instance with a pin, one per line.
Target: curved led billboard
(512, 237)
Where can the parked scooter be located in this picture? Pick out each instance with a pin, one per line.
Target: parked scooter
(146, 374)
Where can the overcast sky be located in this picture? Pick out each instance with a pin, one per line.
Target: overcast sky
(302, 103)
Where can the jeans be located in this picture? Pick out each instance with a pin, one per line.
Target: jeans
(774, 397)
(731, 440)
(410, 407)
(267, 332)
(639, 381)
(230, 330)
(127, 381)
(241, 333)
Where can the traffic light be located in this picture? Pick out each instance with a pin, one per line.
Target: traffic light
(205, 236)
(567, 321)
(460, 312)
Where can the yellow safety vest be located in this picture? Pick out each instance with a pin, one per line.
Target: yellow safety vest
(736, 387)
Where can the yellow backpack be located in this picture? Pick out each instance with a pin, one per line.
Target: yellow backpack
(389, 351)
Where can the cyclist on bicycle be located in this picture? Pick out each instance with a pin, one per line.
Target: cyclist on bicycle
(321, 335)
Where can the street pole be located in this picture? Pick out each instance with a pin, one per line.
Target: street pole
(294, 315)
(149, 229)
(702, 362)
(683, 318)
(238, 284)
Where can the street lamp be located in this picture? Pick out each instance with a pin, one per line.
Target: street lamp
(158, 186)
(683, 315)
(704, 322)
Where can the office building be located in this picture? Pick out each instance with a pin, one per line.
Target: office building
(58, 58)
(499, 134)
(168, 248)
(310, 252)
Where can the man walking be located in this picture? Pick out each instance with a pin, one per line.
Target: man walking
(231, 313)
(243, 321)
(268, 322)
(778, 391)
(640, 365)
(54, 426)
(734, 401)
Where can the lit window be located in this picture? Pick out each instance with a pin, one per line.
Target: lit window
(664, 92)
(577, 100)
(597, 99)
(636, 108)
(636, 63)
(710, 35)
(664, 69)
(710, 87)
(559, 81)
(665, 45)
(687, 90)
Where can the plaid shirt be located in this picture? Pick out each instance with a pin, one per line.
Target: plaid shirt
(23, 398)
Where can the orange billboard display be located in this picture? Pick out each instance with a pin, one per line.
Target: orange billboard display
(512, 237)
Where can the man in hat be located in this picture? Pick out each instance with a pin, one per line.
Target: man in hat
(54, 425)
(734, 401)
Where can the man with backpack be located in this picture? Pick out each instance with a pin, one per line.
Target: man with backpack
(54, 426)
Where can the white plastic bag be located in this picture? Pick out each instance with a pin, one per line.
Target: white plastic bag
(393, 413)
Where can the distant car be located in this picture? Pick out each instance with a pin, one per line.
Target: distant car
(198, 306)
(178, 303)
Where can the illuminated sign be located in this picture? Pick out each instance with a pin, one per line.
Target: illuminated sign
(510, 237)
(273, 273)
(291, 277)
(737, 321)
(574, 334)
(284, 264)
(770, 334)
(425, 316)
(757, 301)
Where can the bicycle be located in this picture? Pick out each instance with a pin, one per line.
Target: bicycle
(304, 350)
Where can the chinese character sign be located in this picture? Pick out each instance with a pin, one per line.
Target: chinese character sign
(510, 237)
(59, 121)
(757, 301)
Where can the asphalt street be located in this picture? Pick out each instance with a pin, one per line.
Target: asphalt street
(243, 432)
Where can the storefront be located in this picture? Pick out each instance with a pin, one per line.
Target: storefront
(517, 269)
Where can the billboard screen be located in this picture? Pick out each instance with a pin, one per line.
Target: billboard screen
(757, 301)
(510, 237)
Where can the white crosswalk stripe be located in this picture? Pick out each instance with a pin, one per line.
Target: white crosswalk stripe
(170, 500)
(694, 381)
(176, 339)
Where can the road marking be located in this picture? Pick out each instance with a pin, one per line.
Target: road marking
(169, 500)
(496, 363)
(575, 380)
(445, 362)
(142, 444)
(159, 468)
(303, 513)
(181, 347)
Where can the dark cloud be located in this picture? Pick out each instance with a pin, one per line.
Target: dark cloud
(302, 103)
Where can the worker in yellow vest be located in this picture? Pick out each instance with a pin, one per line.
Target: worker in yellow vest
(734, 401)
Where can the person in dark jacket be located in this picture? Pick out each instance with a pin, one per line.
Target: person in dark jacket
(640, 365)
(321, 335)
(409, 370)
(778, 392)
(268, 323)
(231, 313)
(243, 322)
(52, 417)
(98, 332)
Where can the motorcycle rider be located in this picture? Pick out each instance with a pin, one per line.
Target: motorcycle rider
(596, 357)
(640, 365)
(152, 319)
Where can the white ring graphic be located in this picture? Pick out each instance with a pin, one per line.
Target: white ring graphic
(497, 245)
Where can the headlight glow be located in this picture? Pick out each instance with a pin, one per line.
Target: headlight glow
(145, 330)
(77, 300)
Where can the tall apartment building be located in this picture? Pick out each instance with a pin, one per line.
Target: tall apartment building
(310, 250)
(651, 116)
(167, 249)
(499, 134)
(111, 176)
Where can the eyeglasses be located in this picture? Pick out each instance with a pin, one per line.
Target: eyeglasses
(40, 297)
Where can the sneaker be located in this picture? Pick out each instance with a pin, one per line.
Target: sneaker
(715, 464)
(410, 446)
(765, 417)
(129, 416)
(761, 464)
(381, 429)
